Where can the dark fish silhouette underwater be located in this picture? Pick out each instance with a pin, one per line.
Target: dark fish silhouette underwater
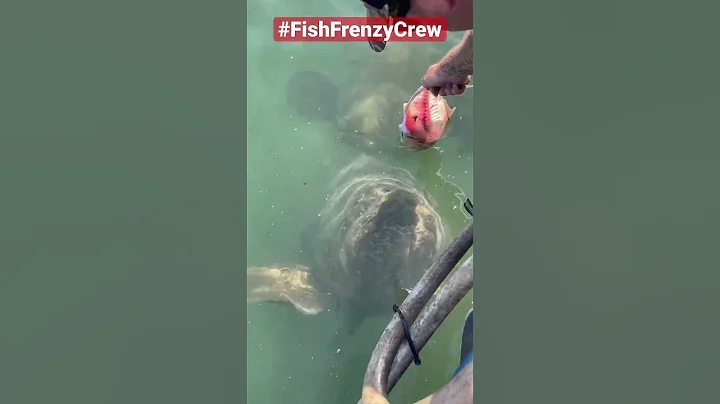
(313, 95)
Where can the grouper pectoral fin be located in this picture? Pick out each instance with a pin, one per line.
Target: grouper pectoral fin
(284, 285)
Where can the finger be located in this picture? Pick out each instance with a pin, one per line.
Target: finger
(458, 89)
(429, 85)
(451, 89)
(447, 89)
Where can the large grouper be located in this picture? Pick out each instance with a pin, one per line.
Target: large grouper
(361, 103)
(370, 244)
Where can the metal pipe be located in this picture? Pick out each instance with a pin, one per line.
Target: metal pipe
(375, 385)
(430, 319)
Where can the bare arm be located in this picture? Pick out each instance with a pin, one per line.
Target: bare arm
(458, 62)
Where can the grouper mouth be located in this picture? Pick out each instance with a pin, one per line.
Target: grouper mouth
(398, 209)
(396, 242)
(388, 234)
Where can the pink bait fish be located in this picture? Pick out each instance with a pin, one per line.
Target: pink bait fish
(425, 119)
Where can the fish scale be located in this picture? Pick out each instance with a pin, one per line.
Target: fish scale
(424, 111)
(435, 112)
(430, 110)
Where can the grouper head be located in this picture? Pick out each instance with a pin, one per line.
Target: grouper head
(396, 244)
(372, 241)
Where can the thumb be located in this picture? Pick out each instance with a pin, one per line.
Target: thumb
(432, 84)
(434, 90)
(431, 80)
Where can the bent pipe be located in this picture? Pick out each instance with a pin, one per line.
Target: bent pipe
(458, 391)
(432, 316)
(375, 385)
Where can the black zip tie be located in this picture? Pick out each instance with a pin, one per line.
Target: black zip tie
(468, 206)
(409, 340)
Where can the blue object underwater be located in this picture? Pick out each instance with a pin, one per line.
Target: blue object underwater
(466, 347)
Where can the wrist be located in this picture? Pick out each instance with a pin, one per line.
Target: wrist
(458, 62)
(452, 68)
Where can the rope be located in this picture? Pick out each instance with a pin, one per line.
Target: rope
(468, 205)
(408, 338)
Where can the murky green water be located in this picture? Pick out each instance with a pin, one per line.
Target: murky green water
(121, 186)
(290, 161)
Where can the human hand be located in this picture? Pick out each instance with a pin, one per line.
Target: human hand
(442, 83)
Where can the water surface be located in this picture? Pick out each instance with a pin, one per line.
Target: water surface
(292, 157)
